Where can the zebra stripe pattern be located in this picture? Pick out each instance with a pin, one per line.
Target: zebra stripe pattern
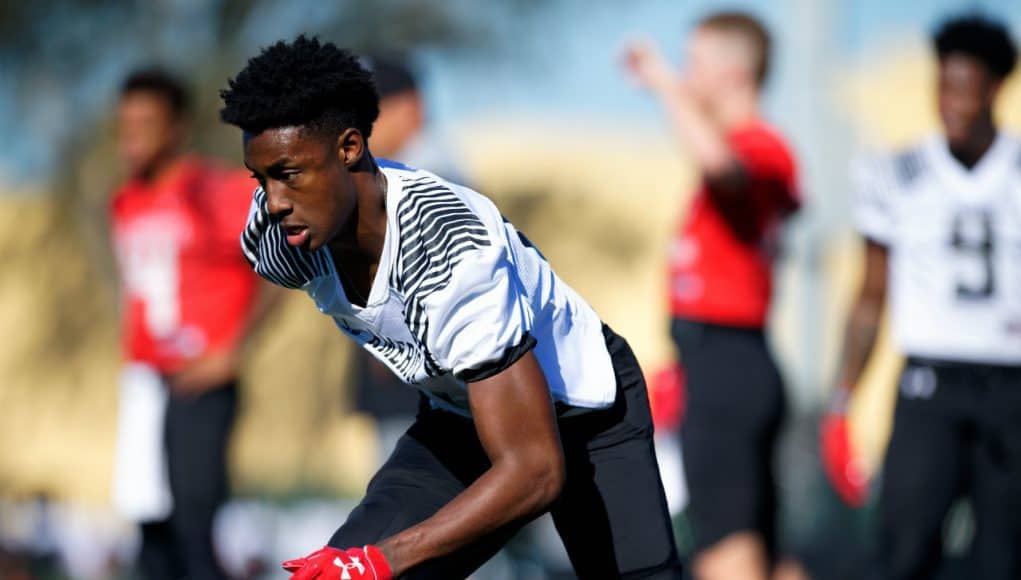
(909, 165)
(437, 229)
(404, 357)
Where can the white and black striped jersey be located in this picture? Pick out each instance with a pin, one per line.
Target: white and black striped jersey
(459, 295)
(954, 239)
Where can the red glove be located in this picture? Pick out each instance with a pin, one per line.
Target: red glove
(366, 563)
(666, 398)
(840, 463)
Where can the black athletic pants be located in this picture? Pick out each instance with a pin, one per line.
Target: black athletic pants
(734, 411)
(197, 431)
(956, 431)
(611, 515)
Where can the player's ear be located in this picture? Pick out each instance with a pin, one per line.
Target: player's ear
(181, 131)
(993, 91)
(350, 147)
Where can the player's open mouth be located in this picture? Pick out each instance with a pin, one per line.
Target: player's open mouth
(296, 235)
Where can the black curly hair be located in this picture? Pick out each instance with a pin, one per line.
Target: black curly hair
(981, 38)
(302, 83)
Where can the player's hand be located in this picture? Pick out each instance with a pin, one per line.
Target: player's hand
(366, 563)
(205, 373)
(840, 462)
(646, 66)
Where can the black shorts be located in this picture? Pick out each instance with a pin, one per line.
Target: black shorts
(956, 432)
(735, 405)
(612, 513)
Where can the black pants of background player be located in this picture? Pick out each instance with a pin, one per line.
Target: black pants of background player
(735, 405)
(197, 433)
(612, 514)
(956, 432)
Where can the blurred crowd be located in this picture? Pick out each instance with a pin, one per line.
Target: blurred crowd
(757, 308)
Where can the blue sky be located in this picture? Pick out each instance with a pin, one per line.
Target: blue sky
(567, 60)
(558, 59)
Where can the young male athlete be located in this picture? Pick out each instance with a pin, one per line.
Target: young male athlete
(533, 403)
(942, 228)
(720, 287)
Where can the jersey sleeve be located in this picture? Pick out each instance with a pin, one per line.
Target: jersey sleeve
(872, 186)
(479, 323)
(770, 168)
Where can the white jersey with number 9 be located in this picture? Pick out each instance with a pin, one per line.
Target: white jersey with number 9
(954, 240)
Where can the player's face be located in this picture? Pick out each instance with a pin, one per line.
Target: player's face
(308, 186)
(966, 93)
(147, 130)
(710, 65)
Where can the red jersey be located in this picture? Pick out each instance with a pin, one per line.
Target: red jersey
(720, 269)
(187, 289)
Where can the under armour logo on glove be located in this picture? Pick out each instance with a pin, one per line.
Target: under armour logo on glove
(345, 567)
(327, 563)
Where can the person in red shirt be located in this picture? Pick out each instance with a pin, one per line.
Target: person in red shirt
(189, 299)
(721, 285)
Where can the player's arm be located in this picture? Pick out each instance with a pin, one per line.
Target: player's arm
(516, 424)
(705, 142)
(864, 320)
(726, 177)
(267, 297)
(216, 368)
(839, 459)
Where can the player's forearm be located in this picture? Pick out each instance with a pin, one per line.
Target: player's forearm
(267, 297)
(505, 493)
(695, 130)
(516, 424)
(859, 339)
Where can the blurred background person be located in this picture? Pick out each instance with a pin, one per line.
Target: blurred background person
(189, 299)
(941, 222)
(402, 131)
(720, 286)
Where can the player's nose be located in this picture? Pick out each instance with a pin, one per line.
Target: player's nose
(276, 202)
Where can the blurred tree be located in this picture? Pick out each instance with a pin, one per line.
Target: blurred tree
(61, 60)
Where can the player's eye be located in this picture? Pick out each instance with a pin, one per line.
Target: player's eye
(281, 174)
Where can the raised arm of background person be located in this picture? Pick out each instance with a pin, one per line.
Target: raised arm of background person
(724, 170)
(516, 424)
(864, 319)
(696, 131)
